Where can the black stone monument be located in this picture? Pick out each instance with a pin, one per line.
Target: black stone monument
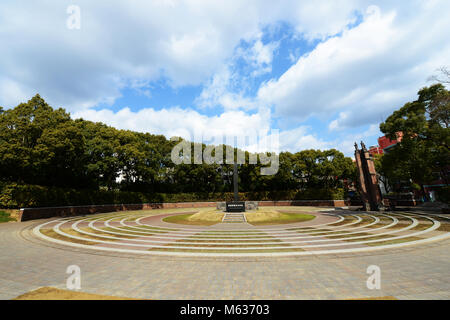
(236, 205)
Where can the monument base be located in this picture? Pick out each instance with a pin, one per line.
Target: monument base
(235, 206)
(249, 205)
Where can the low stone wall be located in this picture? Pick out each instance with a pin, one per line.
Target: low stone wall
(50, 212)
(309, 203)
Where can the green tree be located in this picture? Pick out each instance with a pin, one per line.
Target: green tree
(424, 148)
(44, 146)
(24, 132)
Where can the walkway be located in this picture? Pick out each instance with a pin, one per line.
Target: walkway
(412, 272)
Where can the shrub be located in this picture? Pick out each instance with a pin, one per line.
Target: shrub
(5, 217)
(443, 194)
(13, 195)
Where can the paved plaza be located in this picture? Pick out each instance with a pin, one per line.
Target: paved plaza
(416, 271)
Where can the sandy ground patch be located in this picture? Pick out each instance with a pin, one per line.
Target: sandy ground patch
(49, 293)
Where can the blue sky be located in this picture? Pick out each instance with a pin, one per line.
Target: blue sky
(323, 73)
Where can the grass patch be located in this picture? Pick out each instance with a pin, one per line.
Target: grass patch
(155, 212)
(400, 225)
(230, 241)
(109, 234)
(200, 245)
(226, 237)
(444, 227)
(52, 234)
(295, 209)
(344, 236)
(134, 214)
(259, 218)
(346, 220)
(422, 226)
(394, 241)
(300, 228)
(227, 251)
(368, 238)
(201, 218)
(383, 222)
(6, 217)
(318, 232)
(248, 236)
(132, 231)
(154, 228)
(363, 223)
(232, 232)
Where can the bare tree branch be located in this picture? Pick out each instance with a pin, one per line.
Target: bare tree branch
(442, 77)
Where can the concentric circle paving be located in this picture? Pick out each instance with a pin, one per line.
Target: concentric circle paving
(342, 232)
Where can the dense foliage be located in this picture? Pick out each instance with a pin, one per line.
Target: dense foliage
(423, 155)
(42, 146)
(15, 195)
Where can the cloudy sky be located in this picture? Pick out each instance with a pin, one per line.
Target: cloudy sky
(323, 73)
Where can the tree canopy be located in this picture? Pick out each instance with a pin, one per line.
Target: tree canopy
(423, 153)
(44, 146)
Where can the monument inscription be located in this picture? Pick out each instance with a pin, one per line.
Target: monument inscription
(235, 206)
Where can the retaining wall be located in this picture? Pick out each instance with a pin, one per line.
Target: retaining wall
(309, 203)
(43, 213)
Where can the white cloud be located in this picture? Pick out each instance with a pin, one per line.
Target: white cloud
(191, 125)
(120, 41)
(347, 145)
(184, 123)
(10, 90)
(320, 19)
(298, 139)
(368, 71)
(227, 88)
(355, 77)
(336, 124)
(221, 91)
(260, 56)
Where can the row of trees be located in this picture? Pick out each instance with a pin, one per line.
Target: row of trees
(423, 155)
(43, 146)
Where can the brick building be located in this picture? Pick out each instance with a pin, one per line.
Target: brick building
(384, 144)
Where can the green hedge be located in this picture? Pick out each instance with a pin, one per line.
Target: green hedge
(13, 195)
(443, 194)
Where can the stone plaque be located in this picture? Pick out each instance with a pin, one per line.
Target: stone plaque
(236, 206)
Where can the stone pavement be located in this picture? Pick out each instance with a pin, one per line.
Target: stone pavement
(416, 272)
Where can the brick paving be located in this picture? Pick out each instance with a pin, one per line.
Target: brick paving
(417, 272)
